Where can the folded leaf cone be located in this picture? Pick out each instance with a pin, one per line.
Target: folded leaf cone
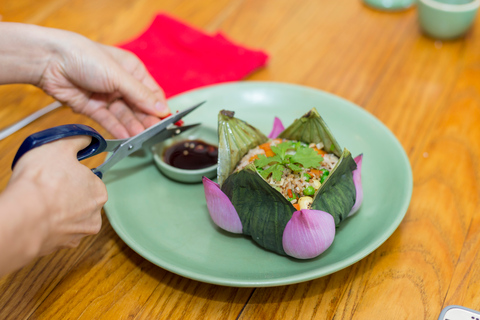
(312, 129)
(337, 194)
(265, 214)
(235, 138)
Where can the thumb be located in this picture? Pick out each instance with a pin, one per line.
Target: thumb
(74, 144)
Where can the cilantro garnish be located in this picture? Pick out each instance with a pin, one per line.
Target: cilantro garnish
(276, 170)
(307, 157)
(303, 158)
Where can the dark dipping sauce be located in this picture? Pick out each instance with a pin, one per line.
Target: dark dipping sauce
(191, 155)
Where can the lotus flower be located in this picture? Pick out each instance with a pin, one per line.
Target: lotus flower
(244, 202)
(308, 233)
(277, 128)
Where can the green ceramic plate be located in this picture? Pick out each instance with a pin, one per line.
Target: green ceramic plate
(168, 224)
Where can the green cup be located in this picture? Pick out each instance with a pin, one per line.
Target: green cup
(390, 5)
(446, 19)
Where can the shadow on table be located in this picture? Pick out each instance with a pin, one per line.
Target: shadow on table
(330, 289)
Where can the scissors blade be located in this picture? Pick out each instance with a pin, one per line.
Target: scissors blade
(117, 156)
(135, 143)
(113, 144)
(168, 133)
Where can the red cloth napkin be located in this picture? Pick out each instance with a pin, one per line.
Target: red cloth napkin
(180, 57)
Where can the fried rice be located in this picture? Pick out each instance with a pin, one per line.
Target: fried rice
(293, 184)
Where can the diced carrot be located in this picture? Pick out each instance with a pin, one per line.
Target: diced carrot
(252, 158)
(265, 145)
(290, 193)
(315, 172)
(319, 151)
(268, 151)
(297, 206)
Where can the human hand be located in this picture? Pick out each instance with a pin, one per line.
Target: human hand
(108, 84)
(67, 197)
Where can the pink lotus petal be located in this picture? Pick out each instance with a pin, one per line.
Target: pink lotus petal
(308, 233)
(357, 180)
(277, 128)
(221, 208)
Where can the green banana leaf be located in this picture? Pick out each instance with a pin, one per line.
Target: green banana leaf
(337, 194)
(311, 128)
(263, 211)
(236, 138)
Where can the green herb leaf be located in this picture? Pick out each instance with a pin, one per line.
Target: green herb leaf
(276, 170)
(263, 161)
(281, 148)
(304, 157)
(307, 157)
(294, 167)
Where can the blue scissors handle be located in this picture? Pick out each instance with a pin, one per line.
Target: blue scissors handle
(98, 144)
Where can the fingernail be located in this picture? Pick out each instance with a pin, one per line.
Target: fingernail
(161, 107)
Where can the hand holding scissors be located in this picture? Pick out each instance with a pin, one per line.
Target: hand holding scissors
(120, 148)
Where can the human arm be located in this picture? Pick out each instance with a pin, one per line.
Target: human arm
(109, 84)
(50, 202)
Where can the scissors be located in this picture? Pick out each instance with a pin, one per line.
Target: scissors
(120, 148)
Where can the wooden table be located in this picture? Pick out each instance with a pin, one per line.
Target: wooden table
(426, 92)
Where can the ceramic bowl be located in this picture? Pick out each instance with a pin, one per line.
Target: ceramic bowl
(390, 5)
(206, 134)
(446, 19)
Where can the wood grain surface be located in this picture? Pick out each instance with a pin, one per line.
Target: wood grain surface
(427, 92)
